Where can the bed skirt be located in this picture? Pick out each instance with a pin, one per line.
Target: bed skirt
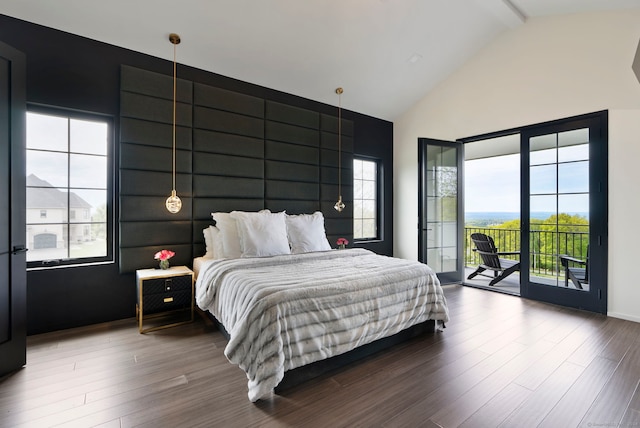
(316, 369)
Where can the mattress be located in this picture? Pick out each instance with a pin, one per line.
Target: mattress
(197, 265)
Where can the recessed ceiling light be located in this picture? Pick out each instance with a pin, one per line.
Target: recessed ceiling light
(414, 58)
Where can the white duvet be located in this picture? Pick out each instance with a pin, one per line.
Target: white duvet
(283, 312)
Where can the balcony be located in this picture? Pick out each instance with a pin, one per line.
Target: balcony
(547, 242)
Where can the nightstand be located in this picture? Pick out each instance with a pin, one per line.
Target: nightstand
(164, 292)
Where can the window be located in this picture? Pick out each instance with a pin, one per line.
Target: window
(68, 188)
(365, 199)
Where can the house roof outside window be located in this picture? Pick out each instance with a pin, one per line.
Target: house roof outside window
(42, 195)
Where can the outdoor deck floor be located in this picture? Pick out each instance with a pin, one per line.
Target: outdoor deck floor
(509, 285)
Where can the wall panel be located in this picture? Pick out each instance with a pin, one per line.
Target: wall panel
(291, 153)
(227, 144)
(231, 166)
(284, 132)
(225, 100)
(146, 112)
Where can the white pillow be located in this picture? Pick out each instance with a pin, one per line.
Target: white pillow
(216, 240)
(306, 233)
(228, 235)
(262, 234)
(208, 243)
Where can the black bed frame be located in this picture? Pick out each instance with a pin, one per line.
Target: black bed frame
(313, 370)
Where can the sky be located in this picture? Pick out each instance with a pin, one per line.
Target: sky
(493, 185)
(51, 137)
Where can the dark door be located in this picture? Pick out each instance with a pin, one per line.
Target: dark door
(564, 212)
(440, 210)
(13, 275)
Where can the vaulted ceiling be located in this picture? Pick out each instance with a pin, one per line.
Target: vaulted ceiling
(387, 54)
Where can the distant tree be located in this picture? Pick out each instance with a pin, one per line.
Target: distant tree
(508, 241)
(511, 224)
(99, 222)
(558, 234)
(446, 187)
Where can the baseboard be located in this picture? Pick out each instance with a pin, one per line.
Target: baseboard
(624, 316)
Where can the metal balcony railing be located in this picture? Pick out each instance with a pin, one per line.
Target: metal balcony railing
(545, 245)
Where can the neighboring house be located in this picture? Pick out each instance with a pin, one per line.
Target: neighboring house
(47, 222)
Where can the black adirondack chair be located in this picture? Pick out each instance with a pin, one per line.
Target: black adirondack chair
(575, 270)
(491, 259)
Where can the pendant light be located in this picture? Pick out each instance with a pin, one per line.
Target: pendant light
(339, 206)
(174, 204)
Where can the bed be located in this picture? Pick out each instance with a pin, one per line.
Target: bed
(287, 308)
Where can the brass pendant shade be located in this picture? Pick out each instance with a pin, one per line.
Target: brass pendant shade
(173, 203)
(339, 206)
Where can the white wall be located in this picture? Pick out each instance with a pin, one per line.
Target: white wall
(624, 210)
(549, 68)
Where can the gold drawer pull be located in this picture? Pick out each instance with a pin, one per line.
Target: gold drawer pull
(168, 299)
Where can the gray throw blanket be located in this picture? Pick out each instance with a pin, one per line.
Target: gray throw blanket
(283, 312)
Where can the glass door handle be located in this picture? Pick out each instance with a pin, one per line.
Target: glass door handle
(17, 249)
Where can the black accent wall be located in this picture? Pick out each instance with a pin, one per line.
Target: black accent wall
(68, 71)
(234, 152)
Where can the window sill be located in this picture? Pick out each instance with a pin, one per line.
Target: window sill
(74, 265)
(367, 241)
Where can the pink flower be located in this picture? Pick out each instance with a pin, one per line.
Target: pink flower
(342, 241)
(164, 255)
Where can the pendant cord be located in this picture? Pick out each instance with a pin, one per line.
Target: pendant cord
(340, 144)
(174, 118)
(339, 206)
(173, 202)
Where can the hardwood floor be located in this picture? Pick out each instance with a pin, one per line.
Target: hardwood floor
(501, 361)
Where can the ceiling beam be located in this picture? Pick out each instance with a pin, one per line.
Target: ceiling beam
(505, 11)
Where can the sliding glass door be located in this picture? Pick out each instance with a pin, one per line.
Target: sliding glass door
(564, 211)
(562, 230)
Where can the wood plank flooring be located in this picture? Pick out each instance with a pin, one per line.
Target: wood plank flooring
(502, 361)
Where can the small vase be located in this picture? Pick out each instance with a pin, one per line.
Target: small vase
(341, 247)
(164, 264)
